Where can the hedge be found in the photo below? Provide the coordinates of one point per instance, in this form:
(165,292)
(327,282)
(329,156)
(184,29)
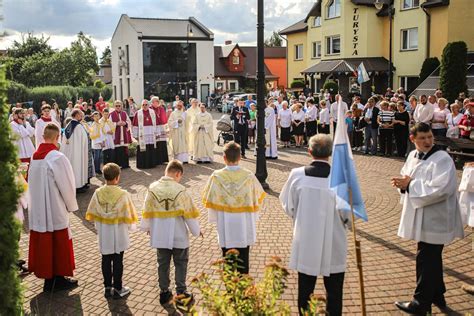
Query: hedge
(297,84)
(61,94)
(429,65)
(453,71)
(11,296)
(331,86)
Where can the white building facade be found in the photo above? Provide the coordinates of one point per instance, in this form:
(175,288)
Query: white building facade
(162,57)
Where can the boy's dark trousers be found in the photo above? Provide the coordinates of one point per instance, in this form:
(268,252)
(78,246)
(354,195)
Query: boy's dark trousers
(115,272)
(108,156)
(243,256)
(333,283)
(180,260)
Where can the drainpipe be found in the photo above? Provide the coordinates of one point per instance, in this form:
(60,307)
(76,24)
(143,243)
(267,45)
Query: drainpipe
(428,32)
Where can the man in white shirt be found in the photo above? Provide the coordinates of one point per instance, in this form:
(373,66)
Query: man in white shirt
(424,111)
(52,188)
(334,109)
(319,245)
(23,132)
(430,216)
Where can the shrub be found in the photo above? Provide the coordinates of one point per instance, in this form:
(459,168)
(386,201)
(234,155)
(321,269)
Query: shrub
(99,84)
(10,298)
(297,84)
(106,92)
(453,71)
(17,92)
(332,87)
(88,93)
(429,65)
(60,94)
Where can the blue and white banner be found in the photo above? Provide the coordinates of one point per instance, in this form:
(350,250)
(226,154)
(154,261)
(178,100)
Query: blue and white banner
(343,174)
(362,75)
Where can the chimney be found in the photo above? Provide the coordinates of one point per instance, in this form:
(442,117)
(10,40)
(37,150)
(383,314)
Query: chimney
(228,42)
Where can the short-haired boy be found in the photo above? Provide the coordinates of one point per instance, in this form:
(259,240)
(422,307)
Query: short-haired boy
(233,197)
(169,214)
(114,214)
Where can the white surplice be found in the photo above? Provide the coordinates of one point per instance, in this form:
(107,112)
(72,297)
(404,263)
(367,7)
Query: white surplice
(190,114)
(23,134)
(270,133)
(203,137)
(77,151)
(466,196)
(319,237)
(39,129)
(179,135)
(52,191)
(431,211)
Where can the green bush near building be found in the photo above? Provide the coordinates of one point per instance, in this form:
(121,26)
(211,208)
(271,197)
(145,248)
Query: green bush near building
(331,86)
(297,84)
(429,65)
(11,296)
(453,71)
(61,94)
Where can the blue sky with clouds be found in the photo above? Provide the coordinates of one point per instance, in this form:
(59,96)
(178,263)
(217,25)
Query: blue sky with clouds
(61,19)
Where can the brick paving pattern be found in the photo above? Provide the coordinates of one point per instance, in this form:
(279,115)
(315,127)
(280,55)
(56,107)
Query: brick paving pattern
(389,262)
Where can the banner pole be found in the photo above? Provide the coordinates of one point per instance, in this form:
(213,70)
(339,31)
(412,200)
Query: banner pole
(358,258)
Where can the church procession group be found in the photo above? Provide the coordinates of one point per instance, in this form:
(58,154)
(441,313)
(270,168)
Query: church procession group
(64,161)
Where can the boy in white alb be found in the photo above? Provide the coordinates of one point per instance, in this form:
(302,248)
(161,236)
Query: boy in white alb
(233,197)
(112,211)
(169,214)
(23,132)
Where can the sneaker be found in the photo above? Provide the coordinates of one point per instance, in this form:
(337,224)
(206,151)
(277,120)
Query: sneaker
(123,292)
(108,292)
(165,297)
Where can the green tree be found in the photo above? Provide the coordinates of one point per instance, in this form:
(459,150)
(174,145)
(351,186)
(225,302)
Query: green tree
(453,71)
(84,60)
(429,65)
(106,58)
(274,40)
(29,46)
(10,299)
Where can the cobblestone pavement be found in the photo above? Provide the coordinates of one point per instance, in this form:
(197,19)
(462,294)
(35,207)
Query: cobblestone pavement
(388,261)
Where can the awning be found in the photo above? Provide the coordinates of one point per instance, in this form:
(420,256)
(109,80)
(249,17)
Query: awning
(372,64)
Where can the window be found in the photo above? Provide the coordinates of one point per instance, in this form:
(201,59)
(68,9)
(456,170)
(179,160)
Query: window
(299,52)
(333,45)
(220,85)
(409,84)
(410,39)
(128,87)
(333,9)
(316,50)
(101,72)
(410,4)
(120,60)
(317,21)
(236,57)
(233,85)
(128,59)
(121,89)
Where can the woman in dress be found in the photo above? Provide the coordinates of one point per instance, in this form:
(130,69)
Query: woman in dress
(284,121)
(438,123)
(324,117)
(452,120)
(297,122)
(401,122)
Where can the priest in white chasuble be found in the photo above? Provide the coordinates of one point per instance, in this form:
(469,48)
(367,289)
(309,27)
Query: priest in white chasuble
(430,216)
(319,245)
(53,192)
(203,136)
(270,132)
(190,114)
(144,129)
(22,133)
(75,146)
(178,133)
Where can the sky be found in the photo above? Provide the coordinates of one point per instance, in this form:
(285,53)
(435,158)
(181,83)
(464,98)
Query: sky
(61,20)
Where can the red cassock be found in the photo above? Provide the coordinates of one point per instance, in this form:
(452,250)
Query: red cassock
(50,253)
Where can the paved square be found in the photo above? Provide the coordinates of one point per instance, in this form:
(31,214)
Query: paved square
(389,262)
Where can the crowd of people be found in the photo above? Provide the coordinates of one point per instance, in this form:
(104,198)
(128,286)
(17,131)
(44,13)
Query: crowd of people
(380,126)
(63,155)
(93,135)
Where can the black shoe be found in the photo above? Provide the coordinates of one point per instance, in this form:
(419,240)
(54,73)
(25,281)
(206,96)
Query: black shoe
(108,292)
(59,283)
(440,302)
(165,297)
(413,307)
(244,157)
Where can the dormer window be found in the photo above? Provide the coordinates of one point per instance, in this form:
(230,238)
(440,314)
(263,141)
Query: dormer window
(317,21)
(333,9)
(236,57)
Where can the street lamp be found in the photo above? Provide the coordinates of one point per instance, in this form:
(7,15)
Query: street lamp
(261,171)
(189,33)
(379,5)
